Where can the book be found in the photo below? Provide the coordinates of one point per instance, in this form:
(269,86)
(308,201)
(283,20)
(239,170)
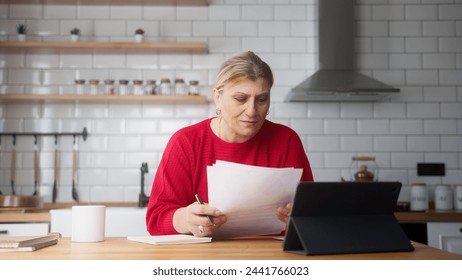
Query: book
(14,242)
(30,248)
(170,239)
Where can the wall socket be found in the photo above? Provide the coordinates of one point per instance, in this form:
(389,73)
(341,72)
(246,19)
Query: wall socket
(431,169)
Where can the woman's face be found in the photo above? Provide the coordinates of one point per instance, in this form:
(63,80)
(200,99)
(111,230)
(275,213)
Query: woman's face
(244,106)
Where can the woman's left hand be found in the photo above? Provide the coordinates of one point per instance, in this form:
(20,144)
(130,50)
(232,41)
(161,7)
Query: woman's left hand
(283,213)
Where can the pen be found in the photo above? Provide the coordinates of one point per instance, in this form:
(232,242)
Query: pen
(198,198)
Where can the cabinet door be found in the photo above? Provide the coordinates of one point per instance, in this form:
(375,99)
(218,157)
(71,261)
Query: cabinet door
(19,229)
(445,236)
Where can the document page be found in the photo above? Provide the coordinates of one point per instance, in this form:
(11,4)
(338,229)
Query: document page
(249,196)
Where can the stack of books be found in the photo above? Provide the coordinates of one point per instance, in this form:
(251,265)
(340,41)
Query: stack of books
(27,243)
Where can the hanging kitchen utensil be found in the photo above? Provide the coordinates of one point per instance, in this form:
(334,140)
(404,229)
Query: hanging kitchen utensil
(36,167)
(75,194)
(13,166)
(55,182)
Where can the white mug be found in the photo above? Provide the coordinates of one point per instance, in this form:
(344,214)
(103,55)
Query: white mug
(88,223)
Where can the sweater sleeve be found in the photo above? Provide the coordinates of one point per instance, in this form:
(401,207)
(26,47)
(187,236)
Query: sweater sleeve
(297,156)
(172,187)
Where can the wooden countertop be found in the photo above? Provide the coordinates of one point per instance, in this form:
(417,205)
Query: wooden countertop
(119,248)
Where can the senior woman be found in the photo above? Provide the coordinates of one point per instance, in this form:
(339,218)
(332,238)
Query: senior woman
(239,133)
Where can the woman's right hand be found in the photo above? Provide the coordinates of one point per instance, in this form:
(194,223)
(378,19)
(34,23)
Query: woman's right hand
(194,219)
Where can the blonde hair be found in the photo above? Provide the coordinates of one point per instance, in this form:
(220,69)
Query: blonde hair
(243,65)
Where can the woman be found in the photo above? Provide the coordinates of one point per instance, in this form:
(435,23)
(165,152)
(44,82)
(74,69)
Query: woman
(240,133)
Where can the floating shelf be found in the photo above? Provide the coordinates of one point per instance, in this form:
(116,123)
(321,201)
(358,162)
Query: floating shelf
(168,47)
(161,99)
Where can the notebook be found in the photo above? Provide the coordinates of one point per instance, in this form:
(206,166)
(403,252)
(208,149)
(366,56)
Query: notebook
(27,243)
(345,217)
(169,239)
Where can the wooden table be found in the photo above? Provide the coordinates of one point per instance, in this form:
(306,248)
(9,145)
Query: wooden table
(119,248)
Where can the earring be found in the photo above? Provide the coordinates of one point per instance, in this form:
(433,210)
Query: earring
(267,113)
(218,111)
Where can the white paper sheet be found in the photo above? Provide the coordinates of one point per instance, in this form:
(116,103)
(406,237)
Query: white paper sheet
(249,196)
(169,239)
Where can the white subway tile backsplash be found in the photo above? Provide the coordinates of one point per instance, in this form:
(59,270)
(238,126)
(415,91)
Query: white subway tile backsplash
(323,143)
(421,12)
(412,44)
(228,12)
(275,29)
(450,77)
(356,143)
(257,12)
(405,28)
(422,143)
(438,28)
(440,127)
(390,143)
(241,28)
(356,110)
(340,127)
(374,127)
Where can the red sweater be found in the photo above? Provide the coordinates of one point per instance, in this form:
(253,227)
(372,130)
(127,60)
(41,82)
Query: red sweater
(182,170)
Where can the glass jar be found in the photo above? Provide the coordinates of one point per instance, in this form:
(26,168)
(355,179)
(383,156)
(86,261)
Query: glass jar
(138,87)
(443,198)
(94,87)
(194,88)
(180,87)
(109,87)
(150,87)
(123,87)
(419,197)
(79,87)
(165,86)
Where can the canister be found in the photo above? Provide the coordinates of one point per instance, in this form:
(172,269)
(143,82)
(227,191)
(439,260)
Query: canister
(458,197)
(443,198)
(419,197)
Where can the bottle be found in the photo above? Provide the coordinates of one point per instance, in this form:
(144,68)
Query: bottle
(79,87)
(458,197)
(419,197)
(150,87)
(123,87)
(138,87)
(180,87)
(94,87)
(165,86)
(193,88)
(443,198)
(109,87)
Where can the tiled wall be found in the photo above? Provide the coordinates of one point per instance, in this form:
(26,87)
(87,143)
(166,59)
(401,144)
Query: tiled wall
(412,44)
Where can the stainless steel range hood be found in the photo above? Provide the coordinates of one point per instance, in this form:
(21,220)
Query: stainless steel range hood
(337,79)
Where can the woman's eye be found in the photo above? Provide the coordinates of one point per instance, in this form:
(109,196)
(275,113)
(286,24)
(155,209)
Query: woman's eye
(239,99)
(263,99)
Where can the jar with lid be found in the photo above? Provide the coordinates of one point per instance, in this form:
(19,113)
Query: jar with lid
(194,88)
(419,197)
(94,87)
(138,87)
(150,87)
(123,87)
(79,86)
(458,198)
(109,87)
(443,198)
(180,87)
(165,86)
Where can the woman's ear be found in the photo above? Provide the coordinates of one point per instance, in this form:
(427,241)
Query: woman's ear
(216,97)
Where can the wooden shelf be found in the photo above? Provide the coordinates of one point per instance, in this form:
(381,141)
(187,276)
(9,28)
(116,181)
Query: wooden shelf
(161,99)
(168,47)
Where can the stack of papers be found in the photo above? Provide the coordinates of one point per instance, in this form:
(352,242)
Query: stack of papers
(249,196)
(169,239)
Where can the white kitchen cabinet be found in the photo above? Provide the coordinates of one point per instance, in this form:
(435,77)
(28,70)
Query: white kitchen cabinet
(445,236)
(20,229)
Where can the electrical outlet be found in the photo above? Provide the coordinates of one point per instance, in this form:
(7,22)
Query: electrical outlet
(431,169)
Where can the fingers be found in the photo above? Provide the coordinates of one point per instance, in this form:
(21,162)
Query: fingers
(204,220)
(283,213)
